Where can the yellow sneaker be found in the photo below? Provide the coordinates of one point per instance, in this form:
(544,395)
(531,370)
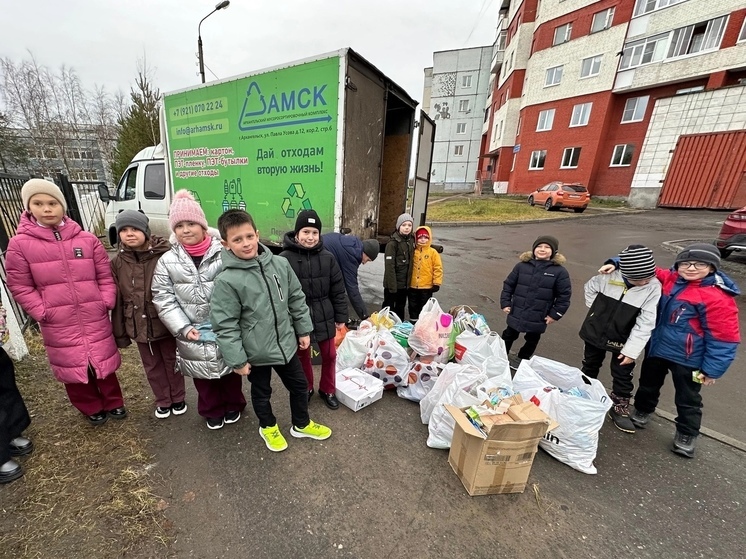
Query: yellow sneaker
(273,438)
(312,431)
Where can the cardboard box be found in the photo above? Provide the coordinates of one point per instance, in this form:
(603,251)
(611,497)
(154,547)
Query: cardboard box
(357,389)
(500,463)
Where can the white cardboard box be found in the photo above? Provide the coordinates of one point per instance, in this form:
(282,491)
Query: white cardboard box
(357,390)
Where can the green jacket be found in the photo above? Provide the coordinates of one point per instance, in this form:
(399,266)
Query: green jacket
(398,262)
(258,310)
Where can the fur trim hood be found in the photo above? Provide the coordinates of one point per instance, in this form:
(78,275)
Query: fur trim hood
(558,258)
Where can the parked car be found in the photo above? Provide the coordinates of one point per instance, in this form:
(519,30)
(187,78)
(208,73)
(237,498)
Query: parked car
(732,234)
(558,194)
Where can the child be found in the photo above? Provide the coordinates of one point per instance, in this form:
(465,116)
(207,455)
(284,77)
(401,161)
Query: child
(323,284)
(398,265)
(696,337)
(535,294)
(427,272)
(621,317)
(261,319)
(61,276)
(183,282)
(135,316)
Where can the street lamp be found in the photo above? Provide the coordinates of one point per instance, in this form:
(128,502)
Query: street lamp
(220,6)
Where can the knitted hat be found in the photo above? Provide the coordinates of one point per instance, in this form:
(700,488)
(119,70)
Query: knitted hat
(699,252)
(421,231)
(132,218)
(307,218)
(403,218)
(548,240)
(41,186)
(371,248)
(185,208)
(636,262)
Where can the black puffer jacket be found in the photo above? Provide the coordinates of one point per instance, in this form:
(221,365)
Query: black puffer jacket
(322,282)
(534,290)
(398,263)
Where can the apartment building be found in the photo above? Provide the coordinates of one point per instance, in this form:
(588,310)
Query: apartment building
(593,92)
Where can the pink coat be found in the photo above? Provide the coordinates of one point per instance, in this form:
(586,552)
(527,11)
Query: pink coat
(61,276)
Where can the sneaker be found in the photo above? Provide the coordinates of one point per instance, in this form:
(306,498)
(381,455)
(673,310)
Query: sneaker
(639,418)
(684,445)
(273,438)
(311,431)
(214,423)
(118,413)
(514,361)
(232,416)
(162,413)
(178,408)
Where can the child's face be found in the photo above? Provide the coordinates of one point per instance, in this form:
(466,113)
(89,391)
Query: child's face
(243,241)
(543,251)
(189,233)
(132,237)
(46,209)
(405,228)
(640,282)
(422,238)
(308,237)
(693,270)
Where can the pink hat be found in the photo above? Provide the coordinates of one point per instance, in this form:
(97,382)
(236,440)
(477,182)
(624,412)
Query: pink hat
(185,208)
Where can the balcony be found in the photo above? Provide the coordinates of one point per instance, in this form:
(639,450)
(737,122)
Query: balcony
(498,51)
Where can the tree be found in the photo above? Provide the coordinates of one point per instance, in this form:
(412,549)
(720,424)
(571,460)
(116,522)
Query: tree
(13,151)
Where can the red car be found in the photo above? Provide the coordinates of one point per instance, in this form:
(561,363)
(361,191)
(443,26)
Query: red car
(732,234)
(558,194)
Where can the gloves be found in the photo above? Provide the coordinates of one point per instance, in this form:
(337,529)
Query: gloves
(435,288)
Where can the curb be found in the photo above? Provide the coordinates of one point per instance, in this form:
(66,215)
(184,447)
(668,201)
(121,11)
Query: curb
(725,439)
(523,221)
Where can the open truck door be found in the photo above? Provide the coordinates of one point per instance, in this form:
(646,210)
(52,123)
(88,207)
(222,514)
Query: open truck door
(423,164)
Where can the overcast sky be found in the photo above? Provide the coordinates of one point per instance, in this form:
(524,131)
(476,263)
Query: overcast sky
(102,39)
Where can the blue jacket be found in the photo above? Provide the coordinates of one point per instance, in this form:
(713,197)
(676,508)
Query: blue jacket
(348,251)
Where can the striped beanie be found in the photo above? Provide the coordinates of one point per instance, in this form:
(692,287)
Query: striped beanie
(636,262)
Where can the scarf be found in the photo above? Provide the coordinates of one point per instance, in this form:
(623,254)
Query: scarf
(200,248)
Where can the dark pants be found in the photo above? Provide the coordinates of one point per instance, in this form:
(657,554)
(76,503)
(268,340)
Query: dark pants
(396,301)
(216,397)
(621,375)
(417,300)
(159,361)
(328,350)
(688,399)
(14,417)
(97,395)
(532,340)
(292,376)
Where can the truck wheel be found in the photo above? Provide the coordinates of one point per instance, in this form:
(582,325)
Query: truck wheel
(112,236)
(530,200)
(548,205)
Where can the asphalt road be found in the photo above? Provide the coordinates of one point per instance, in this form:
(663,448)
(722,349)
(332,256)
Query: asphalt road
(375,490)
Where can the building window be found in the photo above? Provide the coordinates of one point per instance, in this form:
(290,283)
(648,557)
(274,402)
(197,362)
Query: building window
(458,150)
(499,130)
(634,109)
(562,34)
(466,81)
(537,159)
(622,156)
(646,6)
(701,37)
(602,20)
(581,114)
(742,34)
(461,128)
(553,76)
(645,51)
(686,90)
(463,105)
(590,66)
(546,120)
(570,158)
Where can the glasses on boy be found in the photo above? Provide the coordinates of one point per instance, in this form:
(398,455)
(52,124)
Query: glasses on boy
(695,265)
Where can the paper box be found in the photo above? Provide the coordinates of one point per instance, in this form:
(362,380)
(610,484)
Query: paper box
(500,463)
(356,389)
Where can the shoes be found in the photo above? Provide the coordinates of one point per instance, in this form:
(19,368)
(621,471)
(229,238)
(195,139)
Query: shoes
(214,423)
(162,413)
(619,414)
(21,446)
(178,408)
(330,400)
(97,418)
(273,438)
(232,416)
(118,413)
(310,393)
(311,431)
(639,418)
(684,445)
(9,471)
(514,361)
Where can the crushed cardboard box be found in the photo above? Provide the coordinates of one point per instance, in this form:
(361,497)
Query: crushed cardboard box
(357,389)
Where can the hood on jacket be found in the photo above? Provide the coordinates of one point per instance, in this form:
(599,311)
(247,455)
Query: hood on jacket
(289,243)
(28,225)
(429,233)
(558,258)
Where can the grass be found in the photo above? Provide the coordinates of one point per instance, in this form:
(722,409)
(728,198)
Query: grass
(498,209)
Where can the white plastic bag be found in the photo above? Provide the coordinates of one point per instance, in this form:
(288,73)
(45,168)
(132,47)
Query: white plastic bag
(387,360)
(445,379)
(575,441)
(486,351)
(431,331)
(459,393)
(351,352)
(421,378)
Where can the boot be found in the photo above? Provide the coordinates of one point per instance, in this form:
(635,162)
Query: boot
(619,414)
(684,445)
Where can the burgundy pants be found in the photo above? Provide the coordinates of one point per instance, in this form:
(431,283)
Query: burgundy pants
(96,396)
(216,397)
(159,361)
(327,384)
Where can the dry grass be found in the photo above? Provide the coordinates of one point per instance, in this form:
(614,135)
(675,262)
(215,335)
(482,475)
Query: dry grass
(497,209)
(86,492)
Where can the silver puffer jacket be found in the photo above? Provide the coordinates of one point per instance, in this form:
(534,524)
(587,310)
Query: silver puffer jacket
(181,293)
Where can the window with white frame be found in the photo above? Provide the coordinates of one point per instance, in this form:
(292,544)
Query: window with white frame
(581,114)
(634,109)
(546,120)
(646,6)
(702,37)
(622,156)
(570,157)
(463,105)
(466,80)
(602,20)
(537,159)
(562,34)
(637,53)
(742,34)
(461,128)
(553,76)
(590,66)
(458,149)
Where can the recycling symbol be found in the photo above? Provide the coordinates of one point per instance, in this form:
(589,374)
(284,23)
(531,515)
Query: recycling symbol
(295,192)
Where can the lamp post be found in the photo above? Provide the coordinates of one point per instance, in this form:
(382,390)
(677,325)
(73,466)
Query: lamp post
(220,6)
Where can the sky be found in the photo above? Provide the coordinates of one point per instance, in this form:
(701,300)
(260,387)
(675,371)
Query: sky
(103,39)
